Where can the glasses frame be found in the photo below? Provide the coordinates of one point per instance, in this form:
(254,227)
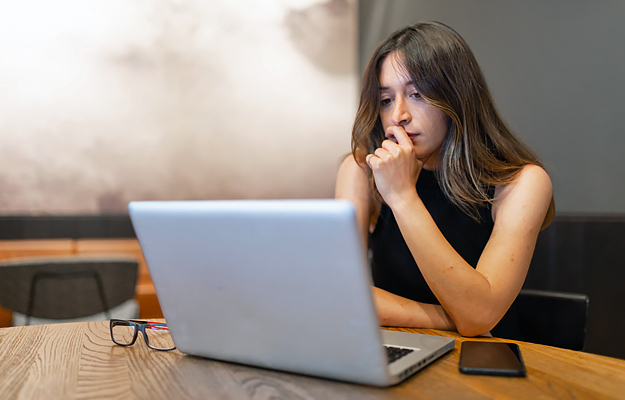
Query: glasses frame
(139,326)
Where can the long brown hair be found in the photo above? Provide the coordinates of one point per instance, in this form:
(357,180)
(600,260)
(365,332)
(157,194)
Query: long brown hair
(480,151)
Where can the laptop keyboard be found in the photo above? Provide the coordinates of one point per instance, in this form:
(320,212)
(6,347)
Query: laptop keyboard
(395,353)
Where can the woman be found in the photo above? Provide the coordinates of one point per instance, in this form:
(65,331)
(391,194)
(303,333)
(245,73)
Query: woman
(450,201)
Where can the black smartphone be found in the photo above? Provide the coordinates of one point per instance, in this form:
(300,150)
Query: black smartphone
(491,358)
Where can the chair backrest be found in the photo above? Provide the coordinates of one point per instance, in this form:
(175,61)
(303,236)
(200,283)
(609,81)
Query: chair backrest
(66,287)
(552,318)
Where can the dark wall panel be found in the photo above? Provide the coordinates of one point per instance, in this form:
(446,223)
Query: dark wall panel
(65,227)
(584,254)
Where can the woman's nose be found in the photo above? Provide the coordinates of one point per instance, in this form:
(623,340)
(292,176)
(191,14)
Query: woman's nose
(400,115)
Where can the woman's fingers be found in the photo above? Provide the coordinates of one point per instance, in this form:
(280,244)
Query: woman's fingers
(387,153)
(389,145)
(381,153)
(398,135)
(374,160)
(398,148)
(401,136)
(369,160)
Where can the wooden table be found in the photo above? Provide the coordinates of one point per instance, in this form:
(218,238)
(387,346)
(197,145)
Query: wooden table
(78,360)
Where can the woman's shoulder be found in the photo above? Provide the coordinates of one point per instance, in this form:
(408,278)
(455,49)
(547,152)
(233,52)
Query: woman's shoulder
(350,167)
(352,183)
(530,191)
(531,176)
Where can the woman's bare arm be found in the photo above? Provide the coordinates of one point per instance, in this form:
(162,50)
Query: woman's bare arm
(352,184)
(393,310)
(475,299)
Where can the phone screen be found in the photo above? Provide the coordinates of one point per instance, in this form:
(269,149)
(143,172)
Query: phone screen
(491,358)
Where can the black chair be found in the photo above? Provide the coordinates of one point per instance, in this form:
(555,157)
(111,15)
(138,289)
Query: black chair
(552,318)
(62,288)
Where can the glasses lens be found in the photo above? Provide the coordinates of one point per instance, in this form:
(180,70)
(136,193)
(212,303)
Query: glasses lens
(158,337)
(123,332)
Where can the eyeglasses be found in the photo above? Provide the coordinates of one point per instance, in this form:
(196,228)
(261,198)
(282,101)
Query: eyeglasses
(156,335)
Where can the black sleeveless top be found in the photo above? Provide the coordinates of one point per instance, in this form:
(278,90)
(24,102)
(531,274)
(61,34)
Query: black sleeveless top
(393,267)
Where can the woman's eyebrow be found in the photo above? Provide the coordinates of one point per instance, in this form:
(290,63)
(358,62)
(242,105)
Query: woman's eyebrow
(407,84)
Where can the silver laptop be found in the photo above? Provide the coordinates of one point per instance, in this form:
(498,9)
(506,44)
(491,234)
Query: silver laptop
(280,284)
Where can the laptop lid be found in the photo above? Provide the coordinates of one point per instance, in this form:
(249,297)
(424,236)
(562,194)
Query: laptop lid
(280,284)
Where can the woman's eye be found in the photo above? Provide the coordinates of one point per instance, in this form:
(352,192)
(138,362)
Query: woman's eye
(415,95)
(385,102)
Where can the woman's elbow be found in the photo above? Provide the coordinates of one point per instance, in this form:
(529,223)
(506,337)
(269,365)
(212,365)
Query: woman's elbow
(471,327)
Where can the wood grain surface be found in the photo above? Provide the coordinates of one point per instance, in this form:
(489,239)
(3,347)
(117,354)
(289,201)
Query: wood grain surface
(79,361)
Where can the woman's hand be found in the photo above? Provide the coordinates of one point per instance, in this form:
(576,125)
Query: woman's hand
(395,166)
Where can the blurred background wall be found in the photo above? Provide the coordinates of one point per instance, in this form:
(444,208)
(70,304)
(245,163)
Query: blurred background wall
(107,101)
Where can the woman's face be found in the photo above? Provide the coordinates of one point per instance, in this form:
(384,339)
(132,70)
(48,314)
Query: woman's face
(401,105)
